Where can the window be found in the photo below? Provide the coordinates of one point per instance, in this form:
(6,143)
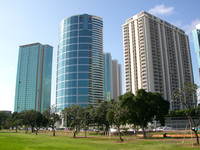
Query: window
(71,84)
(83,54)
(83,68)
(83,91)
(83,76)
(85,46)
(83,83)
(71,76)
(85,40)
(83,61)
(83,99)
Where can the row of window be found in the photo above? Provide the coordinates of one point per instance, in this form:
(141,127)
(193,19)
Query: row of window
(76,19)
(72,99)
(73,76)
(81,26)
(81,19)
(73,91)
(76,33)
(73,83)
(75,47)
(74,68)
(73,61)
(76,40)
(71,54)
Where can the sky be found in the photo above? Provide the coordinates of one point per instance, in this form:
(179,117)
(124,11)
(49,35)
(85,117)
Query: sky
(29,21)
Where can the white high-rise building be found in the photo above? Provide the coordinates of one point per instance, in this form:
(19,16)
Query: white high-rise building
(157,57)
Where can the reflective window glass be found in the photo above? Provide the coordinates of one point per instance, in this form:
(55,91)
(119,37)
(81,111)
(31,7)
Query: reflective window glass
(83,99)
(83,68)
(70,91)
(83,60)
(85,39)
(83,91)
(83,83)
(71,83)
(84,54)
(71,68)
(85,33)
(71,99)
(83,76)
(85,46)
(71,54)
(71,61)
(71,76)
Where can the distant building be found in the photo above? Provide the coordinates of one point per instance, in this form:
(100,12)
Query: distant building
(196,41)
(198,96)
(80,61)
(33,83)
(108,86)
(116,79)
(157,57)
(6,111)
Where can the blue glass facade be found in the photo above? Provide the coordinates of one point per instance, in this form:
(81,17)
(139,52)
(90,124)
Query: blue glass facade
(33,83)
(108,93)
(196,41)
(80,61)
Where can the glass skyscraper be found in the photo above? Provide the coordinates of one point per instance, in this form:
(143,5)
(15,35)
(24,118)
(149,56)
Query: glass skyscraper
(196,41)
(112,78)
(80,61)
(108,89)
(33,83)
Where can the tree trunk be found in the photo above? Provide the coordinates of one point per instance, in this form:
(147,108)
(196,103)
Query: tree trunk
(54,132)
(74,136)
(32,129)
(36,132)
(144,133)
(85,133)
(26,130)
(192,123)
(196,135)
(120,135)
(16,129)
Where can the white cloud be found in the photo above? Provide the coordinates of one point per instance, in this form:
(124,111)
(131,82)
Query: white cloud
(161,10)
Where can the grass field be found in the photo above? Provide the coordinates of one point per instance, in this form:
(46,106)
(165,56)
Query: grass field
(21,141)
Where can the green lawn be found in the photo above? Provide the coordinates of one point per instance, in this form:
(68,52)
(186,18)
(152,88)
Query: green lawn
(21,141)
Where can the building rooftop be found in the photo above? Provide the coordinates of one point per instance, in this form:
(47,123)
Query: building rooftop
(143,13)
(32,44)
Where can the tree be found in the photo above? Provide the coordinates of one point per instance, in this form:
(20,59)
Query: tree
(73,118)
(40,121)
(144,107)
(117,116)
(184,96)
(4,117)
(16,120)
(87,118)
(100,115)
(52,119)
(33,119)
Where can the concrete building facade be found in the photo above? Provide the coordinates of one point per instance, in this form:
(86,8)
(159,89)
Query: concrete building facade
(157,57)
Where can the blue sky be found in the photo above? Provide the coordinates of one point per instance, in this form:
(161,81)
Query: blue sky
(28,21)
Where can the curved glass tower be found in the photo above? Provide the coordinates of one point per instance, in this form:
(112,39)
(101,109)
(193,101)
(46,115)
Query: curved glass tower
(80,61)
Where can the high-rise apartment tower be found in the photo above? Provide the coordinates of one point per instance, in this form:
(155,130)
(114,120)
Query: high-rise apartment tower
(157,57)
